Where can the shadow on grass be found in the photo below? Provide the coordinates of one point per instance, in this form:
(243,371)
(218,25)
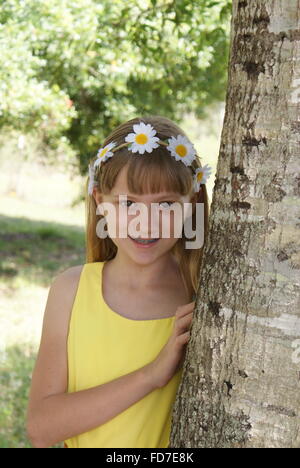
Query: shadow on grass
(38,250)
(16,366)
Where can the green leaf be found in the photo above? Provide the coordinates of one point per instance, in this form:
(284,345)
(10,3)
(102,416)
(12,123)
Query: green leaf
(75,70)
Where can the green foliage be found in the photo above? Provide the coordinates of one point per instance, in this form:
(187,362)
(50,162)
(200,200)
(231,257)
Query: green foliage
(37,250)
(80,68)
(15,372)
(16,365)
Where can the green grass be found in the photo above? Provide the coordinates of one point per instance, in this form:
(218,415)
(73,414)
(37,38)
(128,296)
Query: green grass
(32,254)
(35,251)
(16,365)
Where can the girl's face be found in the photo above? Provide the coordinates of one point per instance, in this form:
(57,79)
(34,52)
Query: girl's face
(137,224)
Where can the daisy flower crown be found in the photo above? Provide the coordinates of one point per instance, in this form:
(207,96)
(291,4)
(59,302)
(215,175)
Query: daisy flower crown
(143,139)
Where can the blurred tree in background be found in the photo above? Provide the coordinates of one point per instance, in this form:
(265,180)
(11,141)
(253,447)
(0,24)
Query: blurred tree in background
(71,71)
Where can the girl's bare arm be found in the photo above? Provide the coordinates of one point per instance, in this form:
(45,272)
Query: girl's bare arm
(53,414)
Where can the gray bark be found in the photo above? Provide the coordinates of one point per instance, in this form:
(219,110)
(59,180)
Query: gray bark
(241,379)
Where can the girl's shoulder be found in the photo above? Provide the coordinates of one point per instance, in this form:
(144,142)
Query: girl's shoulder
(60,301)
(64,285)
(69,276)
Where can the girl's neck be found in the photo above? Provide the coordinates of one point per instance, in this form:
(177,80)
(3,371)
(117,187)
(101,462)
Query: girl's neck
(138,277)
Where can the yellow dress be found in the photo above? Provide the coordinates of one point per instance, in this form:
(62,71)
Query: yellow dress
(102,346)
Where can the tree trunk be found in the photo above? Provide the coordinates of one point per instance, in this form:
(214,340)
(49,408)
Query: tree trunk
(241,378)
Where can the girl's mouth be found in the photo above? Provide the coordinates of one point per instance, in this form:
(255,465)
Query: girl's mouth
(144,243)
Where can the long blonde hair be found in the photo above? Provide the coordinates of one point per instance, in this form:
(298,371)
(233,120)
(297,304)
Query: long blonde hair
(147,175)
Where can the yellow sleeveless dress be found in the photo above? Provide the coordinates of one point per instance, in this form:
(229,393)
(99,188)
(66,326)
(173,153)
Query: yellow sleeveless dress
(102,346)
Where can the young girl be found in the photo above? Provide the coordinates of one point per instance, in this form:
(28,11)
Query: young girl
(115,329)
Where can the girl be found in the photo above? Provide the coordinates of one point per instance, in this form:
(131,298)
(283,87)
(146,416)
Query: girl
(115,329)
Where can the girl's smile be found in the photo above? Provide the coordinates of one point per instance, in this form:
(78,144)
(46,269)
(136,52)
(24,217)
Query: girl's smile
(144,243)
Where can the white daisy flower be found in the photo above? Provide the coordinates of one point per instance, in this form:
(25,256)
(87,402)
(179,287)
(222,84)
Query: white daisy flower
(201,175)
(104,153)
(142,139)
(92,181)
(182,149)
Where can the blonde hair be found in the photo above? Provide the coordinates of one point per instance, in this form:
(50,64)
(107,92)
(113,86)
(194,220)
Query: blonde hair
(147,175)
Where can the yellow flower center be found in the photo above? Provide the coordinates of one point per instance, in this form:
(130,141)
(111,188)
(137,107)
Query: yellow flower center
(103,152)
(141,139)
(181,150)
(199,176)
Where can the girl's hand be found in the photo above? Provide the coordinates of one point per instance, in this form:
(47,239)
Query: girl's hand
(171,357)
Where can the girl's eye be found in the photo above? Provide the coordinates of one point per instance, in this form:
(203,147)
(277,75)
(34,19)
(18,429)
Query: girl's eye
(122,203)
(168,202)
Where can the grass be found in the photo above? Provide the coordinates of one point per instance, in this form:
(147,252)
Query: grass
(16,365)
(34,251)
(32,254)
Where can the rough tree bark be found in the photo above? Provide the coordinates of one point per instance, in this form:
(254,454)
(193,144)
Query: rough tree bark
(241,379)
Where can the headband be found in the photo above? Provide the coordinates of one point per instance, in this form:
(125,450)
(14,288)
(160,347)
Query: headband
(143,139)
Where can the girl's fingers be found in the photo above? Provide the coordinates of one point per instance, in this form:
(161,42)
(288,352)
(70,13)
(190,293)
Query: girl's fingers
(184,338)
(183,323)
(185,309)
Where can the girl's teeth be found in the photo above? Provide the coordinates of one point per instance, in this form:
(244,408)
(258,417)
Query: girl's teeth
(144,241)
